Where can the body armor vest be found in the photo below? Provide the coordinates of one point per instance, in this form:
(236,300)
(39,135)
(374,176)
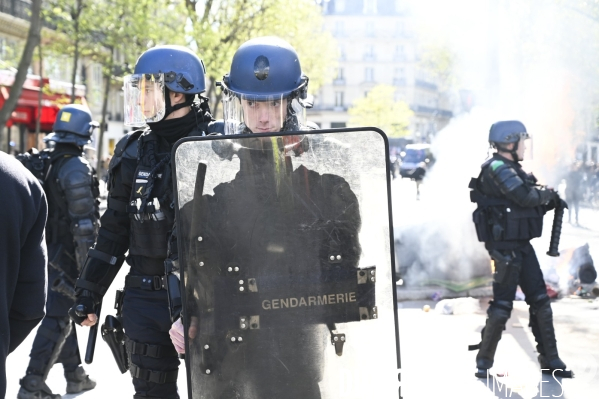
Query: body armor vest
(151,205)
(498,219)
(45,165)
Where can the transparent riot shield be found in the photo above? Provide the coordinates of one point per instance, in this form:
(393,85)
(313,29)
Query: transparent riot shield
(286,265)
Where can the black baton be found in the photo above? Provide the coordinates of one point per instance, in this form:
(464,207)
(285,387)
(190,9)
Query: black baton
(556,229)
(91,340)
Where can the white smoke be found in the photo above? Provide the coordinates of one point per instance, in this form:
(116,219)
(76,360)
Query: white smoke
(528,60)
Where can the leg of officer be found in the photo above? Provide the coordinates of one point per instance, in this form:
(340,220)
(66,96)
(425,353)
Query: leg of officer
(498,313)
(154,361)
(541,315)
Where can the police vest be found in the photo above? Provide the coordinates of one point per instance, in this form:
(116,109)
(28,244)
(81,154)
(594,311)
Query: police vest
(500,219)
(45,166)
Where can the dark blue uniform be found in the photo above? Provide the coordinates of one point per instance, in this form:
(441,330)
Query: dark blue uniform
(72,192)
(509,214)
(140,218)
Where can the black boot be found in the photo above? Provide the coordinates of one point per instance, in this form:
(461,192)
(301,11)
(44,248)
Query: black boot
(498,314)
(34,387)
(541,323)
(78,381)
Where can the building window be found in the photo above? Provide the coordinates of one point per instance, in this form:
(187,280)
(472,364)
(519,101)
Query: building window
(342,54)
(399,29)
(369,74)
(339,28)
(338,99)
(399,6)
(369,53)
(369,6)
(339,79)
(335,125)
(400,53)
(339,6)
(369,29)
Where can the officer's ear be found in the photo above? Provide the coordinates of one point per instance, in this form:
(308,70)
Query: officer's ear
(176,98)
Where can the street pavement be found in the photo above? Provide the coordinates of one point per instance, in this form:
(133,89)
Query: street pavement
(435,360)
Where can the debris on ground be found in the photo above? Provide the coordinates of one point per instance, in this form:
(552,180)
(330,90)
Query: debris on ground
(457,306)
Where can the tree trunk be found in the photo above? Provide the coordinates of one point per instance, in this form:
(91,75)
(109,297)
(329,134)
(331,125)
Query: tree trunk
(33,39)
(75,15)
(108,77)
(38,120)
(74,75)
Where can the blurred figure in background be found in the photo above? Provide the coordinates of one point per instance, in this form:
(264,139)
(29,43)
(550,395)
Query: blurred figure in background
(574,189)
(73,211)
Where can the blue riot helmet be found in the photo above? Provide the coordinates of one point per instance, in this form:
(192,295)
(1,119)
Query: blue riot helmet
(73,125)
(506,132)
(158,71)
(265,90)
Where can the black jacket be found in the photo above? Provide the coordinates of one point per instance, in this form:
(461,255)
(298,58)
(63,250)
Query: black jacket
(510,205)
(23,259)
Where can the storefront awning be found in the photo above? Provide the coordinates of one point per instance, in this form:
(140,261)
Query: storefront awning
(26,111)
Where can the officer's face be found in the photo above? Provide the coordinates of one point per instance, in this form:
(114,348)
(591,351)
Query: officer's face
(151,93)
(521,149)
(264,116)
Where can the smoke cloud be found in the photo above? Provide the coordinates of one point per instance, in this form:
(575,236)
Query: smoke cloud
(529,60)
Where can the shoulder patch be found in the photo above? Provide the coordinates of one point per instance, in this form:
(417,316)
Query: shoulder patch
(497,163)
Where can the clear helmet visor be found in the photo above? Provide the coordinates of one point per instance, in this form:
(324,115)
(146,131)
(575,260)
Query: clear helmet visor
(525,147)
(144,98)
(266,114)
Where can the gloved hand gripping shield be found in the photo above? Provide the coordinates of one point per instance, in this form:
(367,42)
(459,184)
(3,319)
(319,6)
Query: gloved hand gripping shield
(286,265)
(144,98)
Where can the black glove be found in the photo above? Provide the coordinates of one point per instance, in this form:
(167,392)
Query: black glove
(549,198)
(84,305)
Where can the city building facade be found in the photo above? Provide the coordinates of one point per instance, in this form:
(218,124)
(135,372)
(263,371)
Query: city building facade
(378,45)
(56,73)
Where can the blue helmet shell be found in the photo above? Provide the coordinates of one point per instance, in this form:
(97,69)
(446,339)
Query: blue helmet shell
(73,125)
(266,67)
(505,132)
(183,70)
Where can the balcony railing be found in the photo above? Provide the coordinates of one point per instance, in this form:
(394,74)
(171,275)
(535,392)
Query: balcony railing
(425,85)
(17,8)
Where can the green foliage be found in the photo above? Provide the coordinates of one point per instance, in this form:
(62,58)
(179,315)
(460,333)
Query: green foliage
(440,61)
(220,27)
(379,109)
(11,54)
(127,27)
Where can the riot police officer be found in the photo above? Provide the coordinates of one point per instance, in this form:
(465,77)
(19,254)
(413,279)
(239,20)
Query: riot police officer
(72,190)
(161,93)
(509,214)
(265,91)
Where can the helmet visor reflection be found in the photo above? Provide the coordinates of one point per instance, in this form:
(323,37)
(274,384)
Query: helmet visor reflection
(144,99)
(244,114)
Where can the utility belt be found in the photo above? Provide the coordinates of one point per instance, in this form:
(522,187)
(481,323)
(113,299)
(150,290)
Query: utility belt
(149,283)
(502,220)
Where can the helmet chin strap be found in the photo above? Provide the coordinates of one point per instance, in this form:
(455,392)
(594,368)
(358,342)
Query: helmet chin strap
(514,152)
(169,109)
